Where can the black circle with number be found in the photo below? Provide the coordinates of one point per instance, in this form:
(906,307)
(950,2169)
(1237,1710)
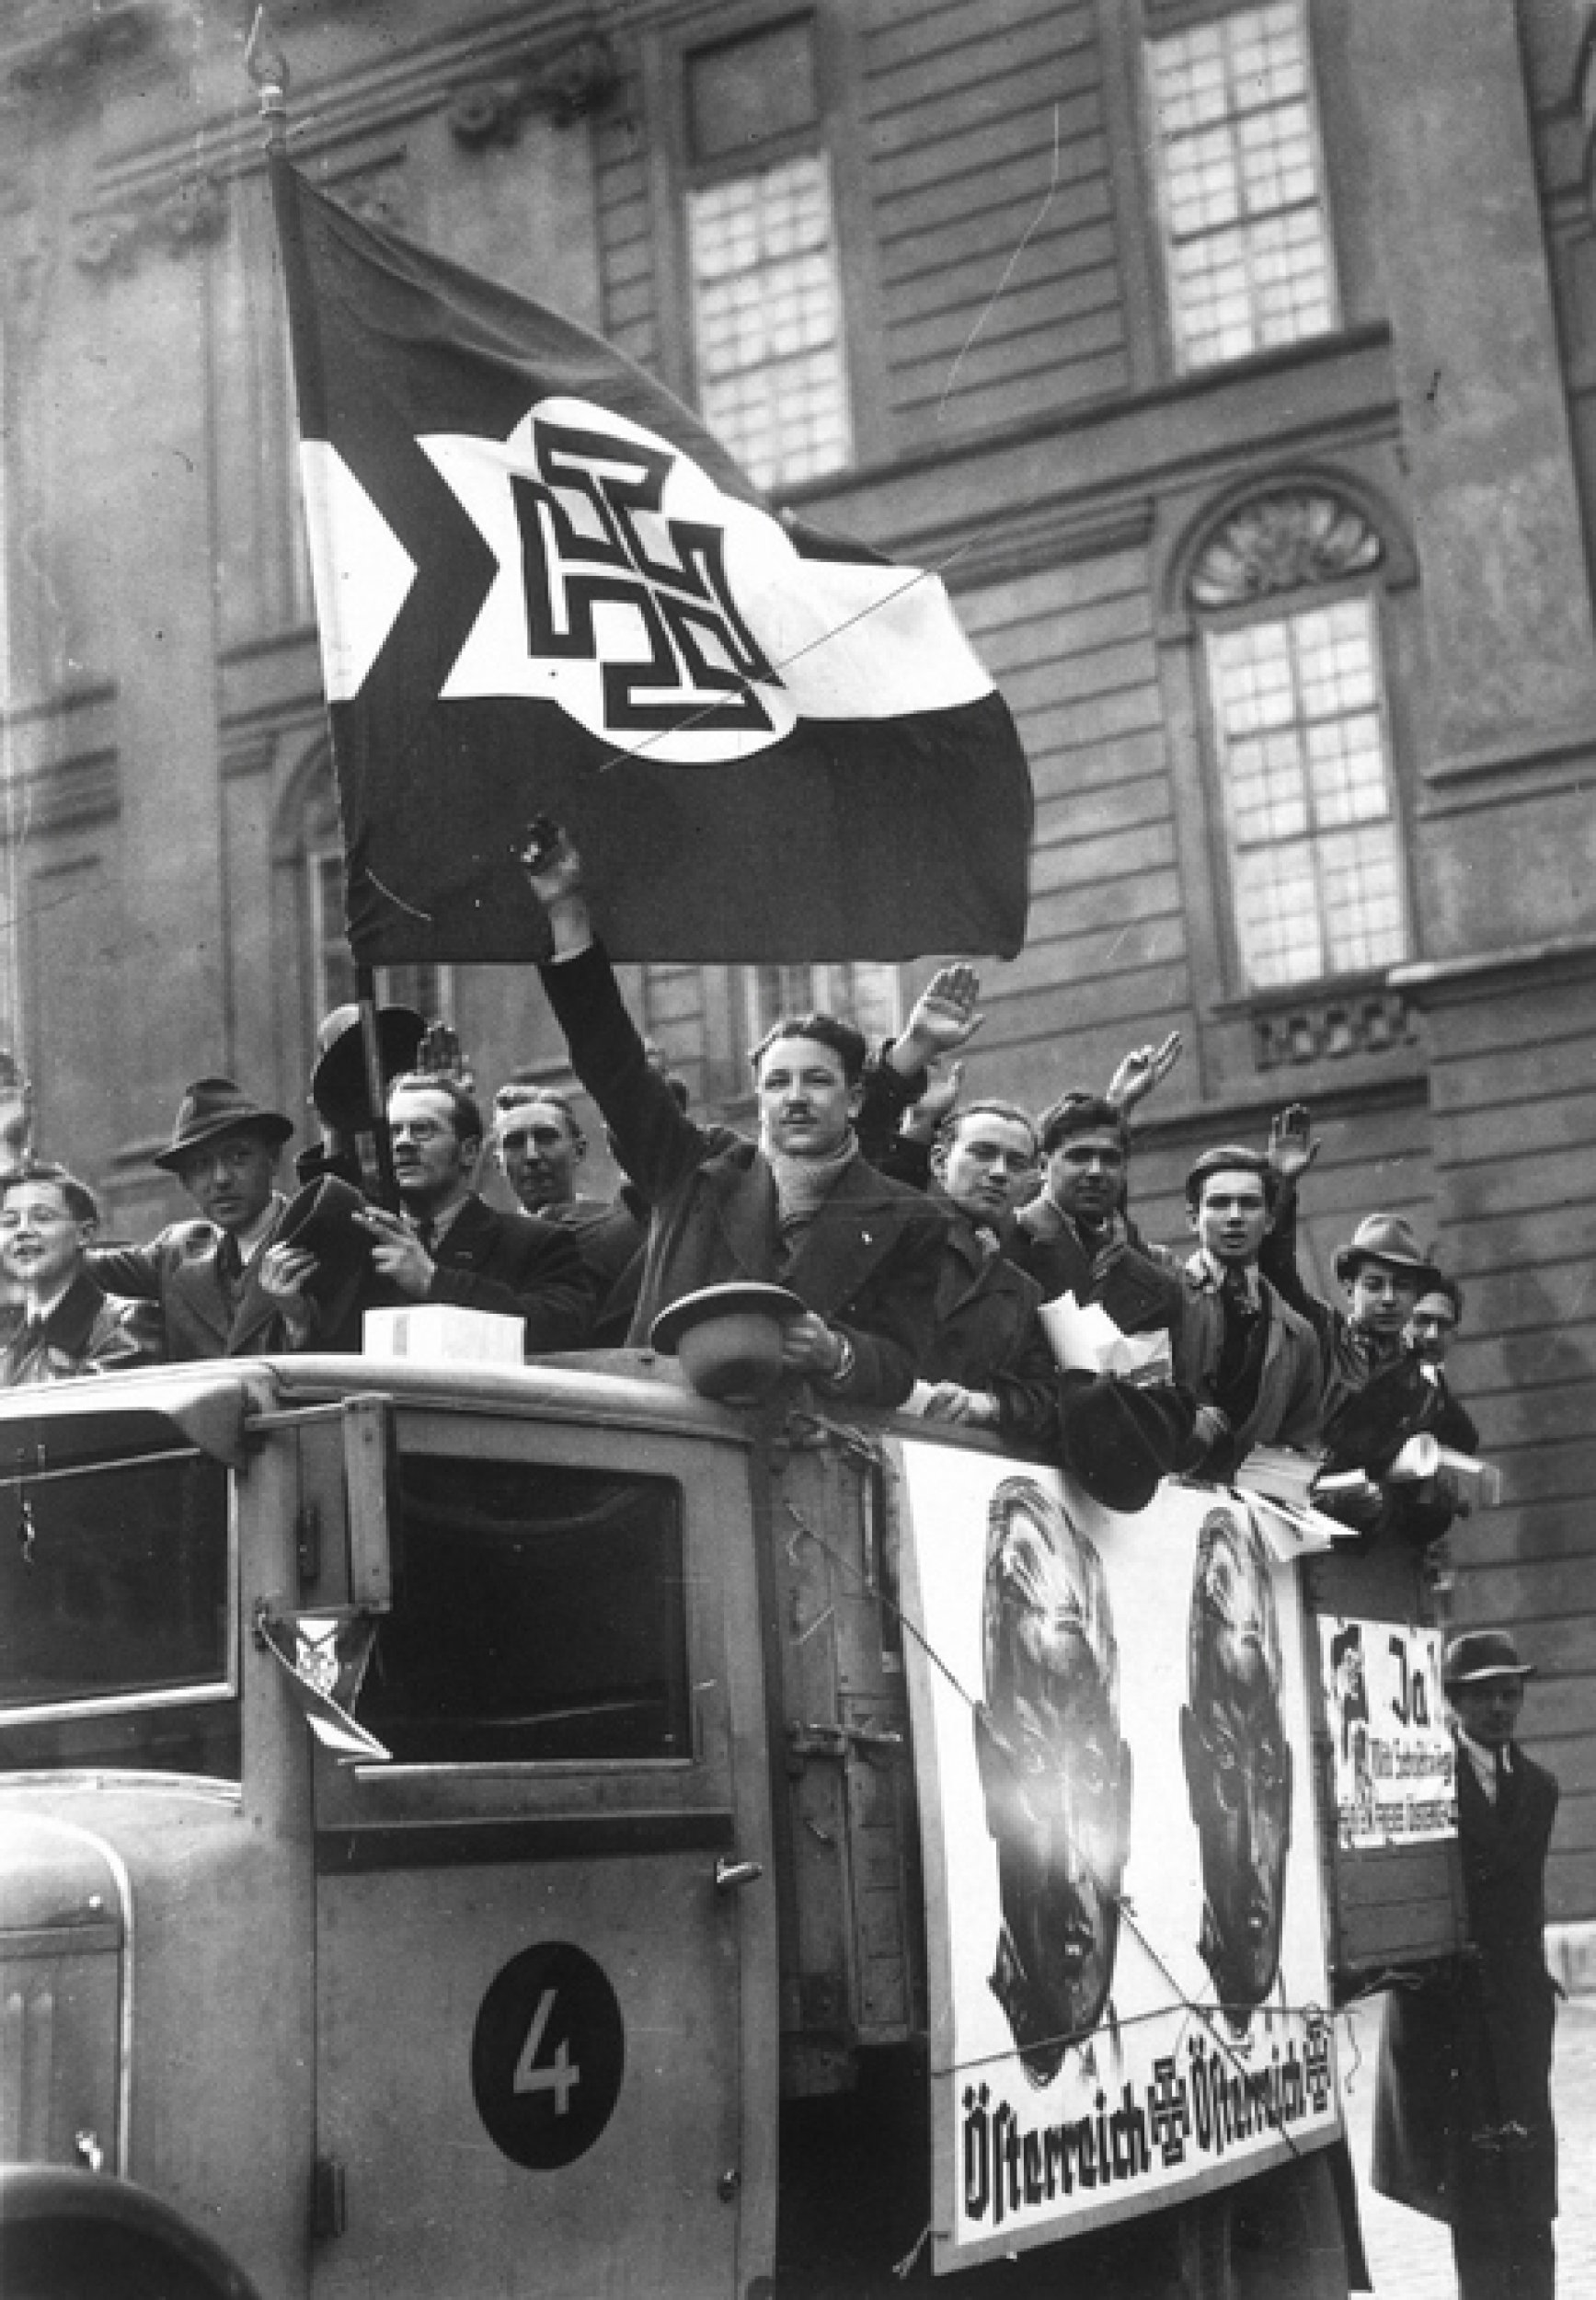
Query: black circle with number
(548,2055)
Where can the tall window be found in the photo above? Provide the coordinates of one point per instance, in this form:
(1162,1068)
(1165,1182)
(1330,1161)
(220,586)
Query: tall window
(762,244)
(1246,237)
(1301,741)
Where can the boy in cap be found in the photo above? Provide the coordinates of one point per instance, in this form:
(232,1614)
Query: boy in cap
(224,1286)
(1462,2119)
(1377,1393)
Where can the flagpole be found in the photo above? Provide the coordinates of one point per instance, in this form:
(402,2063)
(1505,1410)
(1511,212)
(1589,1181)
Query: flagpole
(268,68)
(376,1086)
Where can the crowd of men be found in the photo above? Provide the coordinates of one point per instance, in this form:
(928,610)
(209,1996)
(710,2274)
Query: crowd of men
(917,1233)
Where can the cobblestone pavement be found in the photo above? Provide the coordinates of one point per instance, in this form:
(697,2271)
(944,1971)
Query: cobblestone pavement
(1409,2256)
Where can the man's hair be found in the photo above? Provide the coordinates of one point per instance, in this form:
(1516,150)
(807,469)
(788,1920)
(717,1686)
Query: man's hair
(1231,1157)
(519,1096)
(1082,1114)
(79,1199)
(846,1043)
(992,1106)
(1439,1283)
(464,1112)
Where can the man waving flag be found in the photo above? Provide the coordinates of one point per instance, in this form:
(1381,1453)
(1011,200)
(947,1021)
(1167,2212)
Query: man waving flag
(544,588)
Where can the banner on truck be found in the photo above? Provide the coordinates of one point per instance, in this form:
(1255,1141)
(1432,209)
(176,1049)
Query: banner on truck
(1129,1995)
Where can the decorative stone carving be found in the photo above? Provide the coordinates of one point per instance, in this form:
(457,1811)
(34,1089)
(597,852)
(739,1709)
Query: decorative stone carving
(1284,541)
(566,83)
(186,215)
(57,63)
(1329,1029)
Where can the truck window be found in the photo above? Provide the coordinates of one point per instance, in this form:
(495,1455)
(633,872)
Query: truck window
(538,1615)
(116,1640)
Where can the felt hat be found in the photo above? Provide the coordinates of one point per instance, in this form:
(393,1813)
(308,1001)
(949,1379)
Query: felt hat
(320,1221)
(1481,1653)
(1118,1440)
(1386,1239)
(212,1107)
(338,1084)
(728,1339)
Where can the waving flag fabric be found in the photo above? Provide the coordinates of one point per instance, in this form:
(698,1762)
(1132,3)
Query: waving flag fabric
(544,588)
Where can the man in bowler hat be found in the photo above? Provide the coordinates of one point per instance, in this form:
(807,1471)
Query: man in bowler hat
(225,1286)
(1463,2118)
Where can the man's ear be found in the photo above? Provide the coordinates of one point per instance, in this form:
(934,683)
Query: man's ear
(1193,1218)
(855,1098)
(939,1159)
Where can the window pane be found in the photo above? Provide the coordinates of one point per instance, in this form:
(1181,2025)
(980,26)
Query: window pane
(862,993)
(1247,244)
(767,320)
(539,1615)
(1314,849)
(117,1638)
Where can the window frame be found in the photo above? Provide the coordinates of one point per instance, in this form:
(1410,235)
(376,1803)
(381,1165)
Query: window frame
(840,135)
(1282,607)
(1162,23)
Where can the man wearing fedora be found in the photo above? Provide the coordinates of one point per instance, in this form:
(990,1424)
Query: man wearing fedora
(1462,2119)
(225,1285)
(1377,1392)
(801,1205)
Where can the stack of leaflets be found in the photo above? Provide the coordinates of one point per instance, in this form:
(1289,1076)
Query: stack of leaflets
(1087,1341)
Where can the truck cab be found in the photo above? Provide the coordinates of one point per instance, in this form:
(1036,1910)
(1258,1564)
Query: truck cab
(469,1831)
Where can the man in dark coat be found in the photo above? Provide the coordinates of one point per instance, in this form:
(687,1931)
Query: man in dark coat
(449,1245)
(223,1284)
(1073,1237)
(1462,2122)
(1378,1391)
(64,1323)
(989,1365)
(800,1206)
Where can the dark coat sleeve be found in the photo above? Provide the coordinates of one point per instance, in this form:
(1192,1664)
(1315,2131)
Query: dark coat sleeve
(517,1266)
(136,1273)
(890,1320)
(887,1095)
(656,1142)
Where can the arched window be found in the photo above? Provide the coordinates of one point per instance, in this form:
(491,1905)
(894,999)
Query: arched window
(1286,599)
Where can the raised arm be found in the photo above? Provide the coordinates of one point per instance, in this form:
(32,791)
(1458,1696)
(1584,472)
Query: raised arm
(656,1142)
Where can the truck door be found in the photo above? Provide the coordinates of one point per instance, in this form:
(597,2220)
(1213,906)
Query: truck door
(545,1931)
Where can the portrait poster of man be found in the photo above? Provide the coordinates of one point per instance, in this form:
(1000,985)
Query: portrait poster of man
(1393,1758)
(1127,1961)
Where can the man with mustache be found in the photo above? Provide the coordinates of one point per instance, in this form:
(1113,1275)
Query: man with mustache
(448,1244)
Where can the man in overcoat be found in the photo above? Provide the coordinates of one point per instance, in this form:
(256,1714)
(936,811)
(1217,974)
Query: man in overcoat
(1462,2121)
(223,1284)
(1249,1359)
(800,1206)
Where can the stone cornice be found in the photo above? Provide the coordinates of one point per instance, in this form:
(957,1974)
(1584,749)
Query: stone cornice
(375,96)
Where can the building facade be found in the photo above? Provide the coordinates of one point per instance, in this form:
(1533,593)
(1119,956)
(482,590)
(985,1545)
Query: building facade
(1235,361)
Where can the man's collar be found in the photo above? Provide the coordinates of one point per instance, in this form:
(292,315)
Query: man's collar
(249,1241)
(1211,1273)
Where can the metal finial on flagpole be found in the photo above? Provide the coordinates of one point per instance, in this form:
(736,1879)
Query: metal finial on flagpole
(268,67)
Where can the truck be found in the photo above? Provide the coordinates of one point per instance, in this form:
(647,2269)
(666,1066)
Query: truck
(472,1831)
